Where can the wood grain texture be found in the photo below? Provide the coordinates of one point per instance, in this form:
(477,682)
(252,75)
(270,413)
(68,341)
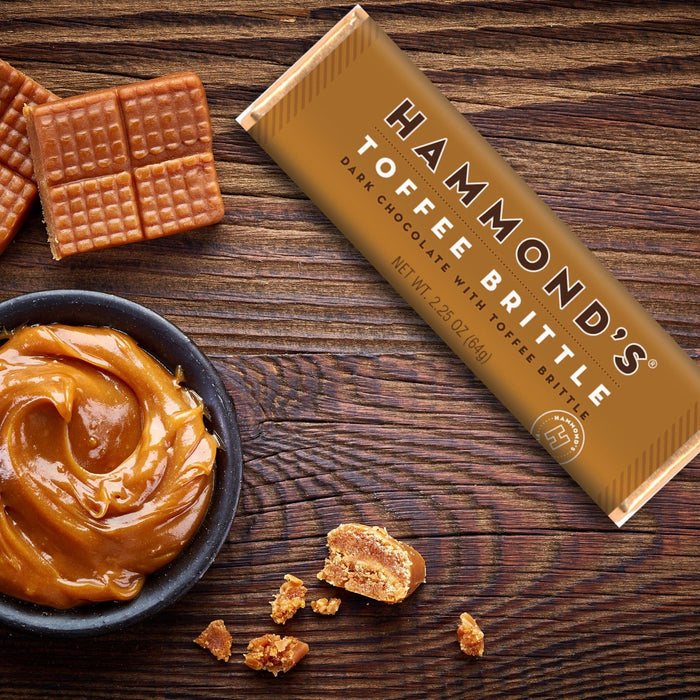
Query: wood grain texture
(350,408)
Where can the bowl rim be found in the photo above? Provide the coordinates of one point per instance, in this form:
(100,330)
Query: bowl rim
(151,331)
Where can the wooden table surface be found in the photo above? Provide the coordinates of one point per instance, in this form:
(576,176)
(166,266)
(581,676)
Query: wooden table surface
(350,408)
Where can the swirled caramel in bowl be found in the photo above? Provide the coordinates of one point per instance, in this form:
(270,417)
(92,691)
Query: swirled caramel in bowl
(106,465)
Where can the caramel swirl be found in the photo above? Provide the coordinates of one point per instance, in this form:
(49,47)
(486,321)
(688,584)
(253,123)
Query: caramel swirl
(106,466)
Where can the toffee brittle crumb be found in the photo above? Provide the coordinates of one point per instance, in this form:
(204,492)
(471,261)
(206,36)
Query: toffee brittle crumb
(291,597)
(471,638)
(217,639)
(362,559)
(325,606)
(274,653)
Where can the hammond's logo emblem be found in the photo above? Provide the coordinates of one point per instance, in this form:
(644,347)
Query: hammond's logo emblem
(560,433)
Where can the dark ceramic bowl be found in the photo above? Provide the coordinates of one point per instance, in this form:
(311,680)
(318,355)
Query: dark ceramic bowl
(169,345)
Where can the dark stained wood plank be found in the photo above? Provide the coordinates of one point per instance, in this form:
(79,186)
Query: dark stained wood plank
(350,408)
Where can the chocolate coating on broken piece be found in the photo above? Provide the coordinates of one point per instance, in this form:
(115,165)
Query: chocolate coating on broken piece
(17,188)
(369,561)
(125,164)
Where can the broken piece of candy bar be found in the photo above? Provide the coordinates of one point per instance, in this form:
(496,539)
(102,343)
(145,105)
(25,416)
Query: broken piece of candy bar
(369,561)
(470,636)
(274,653)
(291,597)
(325,606)
(17,188)
(217,639)
(125,164)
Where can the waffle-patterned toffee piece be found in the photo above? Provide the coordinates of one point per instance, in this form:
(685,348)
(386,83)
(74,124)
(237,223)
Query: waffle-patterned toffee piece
(125,164)
(17,188)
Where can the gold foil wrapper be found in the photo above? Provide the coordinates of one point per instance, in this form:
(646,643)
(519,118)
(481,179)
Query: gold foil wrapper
(485,262)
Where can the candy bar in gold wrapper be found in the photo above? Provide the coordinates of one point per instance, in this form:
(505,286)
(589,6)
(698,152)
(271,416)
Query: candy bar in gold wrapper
(485,262)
